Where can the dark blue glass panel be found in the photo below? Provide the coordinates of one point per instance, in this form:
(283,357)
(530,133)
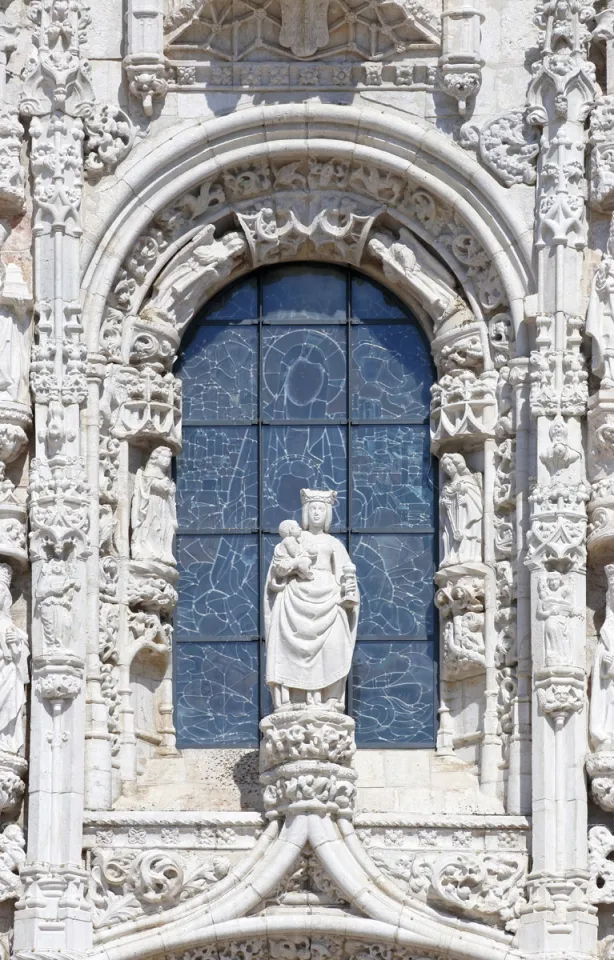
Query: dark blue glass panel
(296,457)
(309,291)
(217,479)
(216,694)
(218,587)
(219,370)
(392,372)
(395,574)
(391,478)
(394,693)
(304,373)
(371,302)
(237,302)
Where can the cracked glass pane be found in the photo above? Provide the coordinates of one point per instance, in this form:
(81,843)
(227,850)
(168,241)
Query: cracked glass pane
(304,373)
(371,302)
(217,479)
(392,372)
(305,291)
(239,301)
(392,483)
(216,694)
(218,587)
(394,693)
(296,457)
(395,573)
(219,373)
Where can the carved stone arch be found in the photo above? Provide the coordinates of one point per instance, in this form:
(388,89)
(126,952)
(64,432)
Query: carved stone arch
(421,182)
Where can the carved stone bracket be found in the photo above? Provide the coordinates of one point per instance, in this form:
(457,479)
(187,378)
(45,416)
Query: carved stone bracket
(305,762)
(557,538)
(460,64)
(560,692)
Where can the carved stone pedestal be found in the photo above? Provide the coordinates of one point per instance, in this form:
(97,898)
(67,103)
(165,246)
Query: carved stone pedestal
(305,763)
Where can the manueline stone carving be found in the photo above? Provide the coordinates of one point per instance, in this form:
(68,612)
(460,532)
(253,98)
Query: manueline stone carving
(304,25)
(462,511)
(154,518)
(205,264)
(12,858)
(555,609)
(601,718)
(13,670)
(311,610)
(56,590)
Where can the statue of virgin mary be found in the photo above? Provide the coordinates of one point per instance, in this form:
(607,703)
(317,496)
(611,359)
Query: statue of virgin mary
(311,611)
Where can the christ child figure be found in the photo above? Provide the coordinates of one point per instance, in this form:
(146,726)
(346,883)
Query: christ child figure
(295,553)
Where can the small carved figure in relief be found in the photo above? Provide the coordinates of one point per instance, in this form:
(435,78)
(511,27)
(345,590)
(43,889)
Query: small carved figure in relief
(297,549)
(208,263)
(559,454)
(555,609)
(14,354)
(13,670)
(462,512)
(12,858)
(601,720)
(600,317)
(55,591)
(311,611)
(154,518)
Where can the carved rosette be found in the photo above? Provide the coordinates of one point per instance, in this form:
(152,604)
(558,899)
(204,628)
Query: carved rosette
(306,763)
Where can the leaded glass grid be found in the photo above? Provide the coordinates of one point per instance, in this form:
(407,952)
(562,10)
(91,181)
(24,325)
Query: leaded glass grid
(304,376)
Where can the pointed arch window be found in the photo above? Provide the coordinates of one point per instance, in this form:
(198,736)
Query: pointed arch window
(304,376)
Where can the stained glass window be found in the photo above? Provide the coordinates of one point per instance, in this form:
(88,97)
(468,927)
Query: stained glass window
(304,376)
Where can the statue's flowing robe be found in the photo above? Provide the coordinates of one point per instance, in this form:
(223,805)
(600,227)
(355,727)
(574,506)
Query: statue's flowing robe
(310,636)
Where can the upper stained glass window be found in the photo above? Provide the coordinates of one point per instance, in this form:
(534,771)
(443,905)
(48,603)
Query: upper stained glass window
(304,376)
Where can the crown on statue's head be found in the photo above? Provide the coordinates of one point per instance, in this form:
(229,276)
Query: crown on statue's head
(321,496)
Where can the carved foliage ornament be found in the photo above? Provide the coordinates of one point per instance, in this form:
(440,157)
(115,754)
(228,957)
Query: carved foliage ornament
(126,886)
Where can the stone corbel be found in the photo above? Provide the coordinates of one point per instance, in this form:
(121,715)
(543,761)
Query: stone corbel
(145,63)
(460,63)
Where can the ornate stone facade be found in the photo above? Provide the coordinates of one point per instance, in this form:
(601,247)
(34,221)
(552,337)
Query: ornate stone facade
(152,152)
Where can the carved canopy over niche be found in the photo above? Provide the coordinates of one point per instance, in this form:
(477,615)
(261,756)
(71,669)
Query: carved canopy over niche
(283,29)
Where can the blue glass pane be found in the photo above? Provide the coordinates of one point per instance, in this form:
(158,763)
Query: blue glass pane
(308,291)
(304,373)
(217,479)
(219,371)
(393,698)
(216,694)
(218,587)
(371,302)
(392,372)
(391,478)
(395,575)
(237,302)
(296,457)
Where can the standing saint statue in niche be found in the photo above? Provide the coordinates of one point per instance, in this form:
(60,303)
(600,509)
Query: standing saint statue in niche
(462,511)
(601,720)
(154,518)
(13,670)
(311,610)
